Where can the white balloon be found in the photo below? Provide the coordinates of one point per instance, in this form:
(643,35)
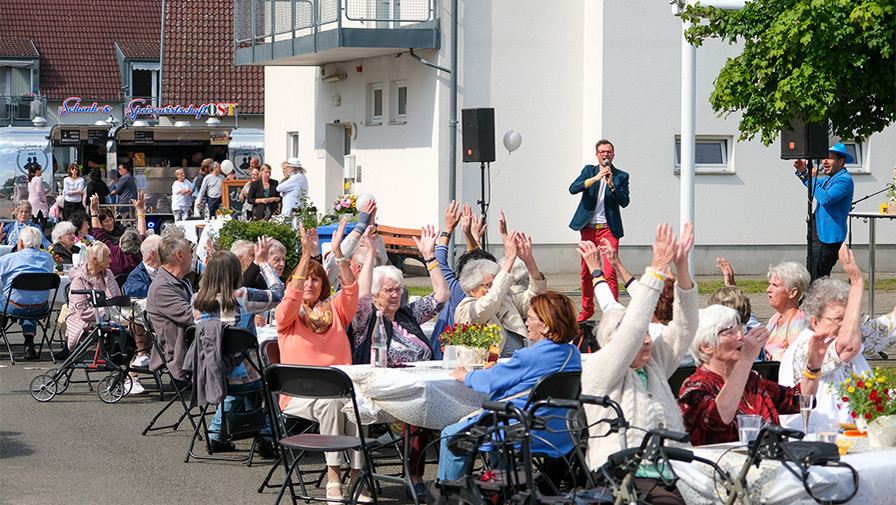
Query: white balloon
(512,140)
(362,199)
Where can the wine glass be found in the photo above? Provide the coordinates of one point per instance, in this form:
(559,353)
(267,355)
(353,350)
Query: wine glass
(806,404)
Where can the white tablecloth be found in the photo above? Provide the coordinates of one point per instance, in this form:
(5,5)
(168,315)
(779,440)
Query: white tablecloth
(422,394)
(189,228)
(771,484)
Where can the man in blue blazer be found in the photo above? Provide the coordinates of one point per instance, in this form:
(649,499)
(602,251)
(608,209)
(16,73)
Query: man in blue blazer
(604,190)
(833,196)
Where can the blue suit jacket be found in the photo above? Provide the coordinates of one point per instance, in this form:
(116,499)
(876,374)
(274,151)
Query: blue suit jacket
(613,199)
(137,285)
(834,199)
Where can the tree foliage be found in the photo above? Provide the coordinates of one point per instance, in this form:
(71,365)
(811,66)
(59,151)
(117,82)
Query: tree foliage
(818,60)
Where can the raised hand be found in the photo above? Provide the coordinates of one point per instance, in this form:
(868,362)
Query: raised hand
(682,250)
(849,265)
(524,248)
(452,216)
(663,247)
(336,241)
(818,347)
(607,250)
(511,246)
(502,224)
(262,246)
(478,226)
(427,241)
(95,204)
(800,165)
(466,218)
(753,342)
(590,253)
(727,272)
(140,203)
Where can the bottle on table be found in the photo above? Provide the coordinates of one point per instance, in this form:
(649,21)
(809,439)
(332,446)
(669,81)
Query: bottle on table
(379,343)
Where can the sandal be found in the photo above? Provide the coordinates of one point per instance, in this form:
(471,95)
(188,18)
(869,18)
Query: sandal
(337,494)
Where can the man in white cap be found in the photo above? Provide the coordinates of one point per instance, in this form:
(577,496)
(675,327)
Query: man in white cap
(211,189)
(833,192)
(294,188)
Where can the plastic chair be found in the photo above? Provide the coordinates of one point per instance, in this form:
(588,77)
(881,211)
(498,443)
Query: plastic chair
(235,341)
(317,383)
(180,386)
(30,281)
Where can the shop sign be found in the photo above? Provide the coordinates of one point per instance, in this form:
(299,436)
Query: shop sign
(70,137)
(219,139)
(72,104)
(134,109)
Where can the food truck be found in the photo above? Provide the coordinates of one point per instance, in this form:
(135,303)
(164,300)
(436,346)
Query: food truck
(20,148)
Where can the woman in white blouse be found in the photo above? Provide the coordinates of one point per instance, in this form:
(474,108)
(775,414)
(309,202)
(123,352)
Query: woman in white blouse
(181,196)
(73,191)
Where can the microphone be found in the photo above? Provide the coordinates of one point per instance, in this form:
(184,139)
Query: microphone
(607,164)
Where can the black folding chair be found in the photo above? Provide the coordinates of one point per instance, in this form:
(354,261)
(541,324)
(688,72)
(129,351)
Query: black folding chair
(317,382)
(559,386)
(31,281)
(181,387)
(242,342)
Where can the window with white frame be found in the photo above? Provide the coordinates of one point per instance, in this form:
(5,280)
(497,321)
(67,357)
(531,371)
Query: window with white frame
(857,150)
(399,100)
(375,103)
(15,80)
(292,144)
(145,80)
(712,154)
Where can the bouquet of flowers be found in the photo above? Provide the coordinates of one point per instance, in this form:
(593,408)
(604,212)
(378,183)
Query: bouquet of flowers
(868,395)
(471,335)
(223,211)
(346,205)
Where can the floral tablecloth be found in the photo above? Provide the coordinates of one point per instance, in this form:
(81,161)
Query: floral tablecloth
(422,394)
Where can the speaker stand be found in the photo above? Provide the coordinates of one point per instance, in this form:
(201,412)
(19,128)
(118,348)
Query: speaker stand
(810,219)
(483,203)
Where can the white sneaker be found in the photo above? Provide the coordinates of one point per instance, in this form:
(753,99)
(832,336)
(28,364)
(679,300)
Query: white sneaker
(136,387)
(141,361)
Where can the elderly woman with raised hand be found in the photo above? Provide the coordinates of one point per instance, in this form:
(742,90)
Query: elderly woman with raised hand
(489,299)
(787,282)
(222,298)
(277,259)
(64,238)
(126,256)
(311,331)
(10,232)
(724,384)
(835,308)
(94,274)
(629,367)
(551,323)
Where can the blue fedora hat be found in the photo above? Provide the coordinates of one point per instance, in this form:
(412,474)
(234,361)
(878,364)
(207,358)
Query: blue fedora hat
(840,149)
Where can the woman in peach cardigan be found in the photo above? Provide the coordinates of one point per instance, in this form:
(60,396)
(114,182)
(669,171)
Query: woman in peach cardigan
(311,331)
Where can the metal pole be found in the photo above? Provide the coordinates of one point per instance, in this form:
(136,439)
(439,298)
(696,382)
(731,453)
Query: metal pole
(452,124)
(688,135)
(872,243)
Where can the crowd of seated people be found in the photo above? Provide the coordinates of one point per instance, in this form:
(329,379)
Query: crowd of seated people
(326,308)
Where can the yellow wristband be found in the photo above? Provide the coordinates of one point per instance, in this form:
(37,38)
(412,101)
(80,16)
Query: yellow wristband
(587,183)
(809,375)
(299,277)
(473,249)
(658,276)
(430,267)
(144,215)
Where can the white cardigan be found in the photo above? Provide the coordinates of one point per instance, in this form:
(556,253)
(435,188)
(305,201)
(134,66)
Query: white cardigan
(609,371)
(500,306)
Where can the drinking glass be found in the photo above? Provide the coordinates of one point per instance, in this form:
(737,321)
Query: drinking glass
(806,404)
(748,426)
(828,433)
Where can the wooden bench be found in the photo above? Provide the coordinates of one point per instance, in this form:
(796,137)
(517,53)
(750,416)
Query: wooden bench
(400,244)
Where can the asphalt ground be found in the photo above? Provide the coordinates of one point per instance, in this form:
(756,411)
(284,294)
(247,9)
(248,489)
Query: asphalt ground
(76,449)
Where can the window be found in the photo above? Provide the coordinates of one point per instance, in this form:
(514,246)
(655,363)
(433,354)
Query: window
(375,103)
(292,144)
(856,149)
(399,101)
(711,155)
(145,80)
(15,81)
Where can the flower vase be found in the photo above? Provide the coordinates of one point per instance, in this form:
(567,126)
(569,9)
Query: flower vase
(882,431)
(471,358)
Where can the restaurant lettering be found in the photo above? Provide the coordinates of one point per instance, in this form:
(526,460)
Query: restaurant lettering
(207,109)
(73,104)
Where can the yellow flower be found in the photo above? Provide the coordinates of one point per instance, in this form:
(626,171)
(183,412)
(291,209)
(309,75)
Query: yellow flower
(850,389)
(881,379)
(848,379)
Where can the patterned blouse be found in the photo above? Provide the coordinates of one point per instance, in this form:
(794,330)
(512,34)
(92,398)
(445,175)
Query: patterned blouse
(405,346)
(697,402)
(783,333)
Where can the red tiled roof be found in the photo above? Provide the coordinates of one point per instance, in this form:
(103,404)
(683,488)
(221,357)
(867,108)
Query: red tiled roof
(75,41)
(17,47)
(139,50)
(199,51)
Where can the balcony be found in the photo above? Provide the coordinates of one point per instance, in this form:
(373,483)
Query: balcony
(315,32)
(20,110)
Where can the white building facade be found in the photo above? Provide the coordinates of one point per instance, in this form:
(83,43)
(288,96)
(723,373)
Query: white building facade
(563,74)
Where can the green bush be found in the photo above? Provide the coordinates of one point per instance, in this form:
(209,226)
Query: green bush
(234,230)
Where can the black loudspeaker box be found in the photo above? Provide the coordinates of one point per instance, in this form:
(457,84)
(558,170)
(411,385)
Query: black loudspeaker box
(478,134)
(804,141)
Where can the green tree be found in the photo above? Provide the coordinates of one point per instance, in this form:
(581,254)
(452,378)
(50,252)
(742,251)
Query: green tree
(819,60)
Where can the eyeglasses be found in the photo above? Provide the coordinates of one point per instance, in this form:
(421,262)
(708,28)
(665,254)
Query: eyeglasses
(392,291)
(731,331)
(486,285)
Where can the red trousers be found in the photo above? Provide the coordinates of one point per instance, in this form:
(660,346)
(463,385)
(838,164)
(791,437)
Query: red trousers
(594,235)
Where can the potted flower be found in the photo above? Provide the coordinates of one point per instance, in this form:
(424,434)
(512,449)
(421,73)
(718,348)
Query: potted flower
(871,397)
(471,342)
(346,204)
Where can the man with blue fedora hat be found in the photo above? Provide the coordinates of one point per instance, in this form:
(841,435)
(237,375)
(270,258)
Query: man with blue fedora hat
(833,192)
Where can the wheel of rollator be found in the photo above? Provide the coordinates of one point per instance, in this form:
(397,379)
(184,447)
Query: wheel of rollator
(43,388)
(63,382)
(111,388)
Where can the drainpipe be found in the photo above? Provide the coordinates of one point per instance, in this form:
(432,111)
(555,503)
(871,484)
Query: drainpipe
(161,55)
(452,124)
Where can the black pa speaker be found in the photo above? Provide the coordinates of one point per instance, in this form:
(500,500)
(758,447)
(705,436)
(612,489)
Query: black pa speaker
(478,135)
(804,141)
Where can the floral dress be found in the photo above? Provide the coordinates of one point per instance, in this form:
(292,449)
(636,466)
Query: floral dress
(405,346)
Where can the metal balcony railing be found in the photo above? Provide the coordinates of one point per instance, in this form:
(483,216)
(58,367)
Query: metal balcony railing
(266,21)
(20,110)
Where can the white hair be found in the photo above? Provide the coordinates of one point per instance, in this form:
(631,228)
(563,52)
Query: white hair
(150,245)
(31,237)
(385,272)
(474,273)
(242,247)
(96,251)
(823,293)
(61,228)
(713,319)
(276,245)
(792,274)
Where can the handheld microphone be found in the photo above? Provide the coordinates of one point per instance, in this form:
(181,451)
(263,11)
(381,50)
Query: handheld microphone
(607,164)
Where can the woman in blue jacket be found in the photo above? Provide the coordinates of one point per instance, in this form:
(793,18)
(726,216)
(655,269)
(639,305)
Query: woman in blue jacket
(551,322)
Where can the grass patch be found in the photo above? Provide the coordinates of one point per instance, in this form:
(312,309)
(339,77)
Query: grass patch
(747,286)
(419,290)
